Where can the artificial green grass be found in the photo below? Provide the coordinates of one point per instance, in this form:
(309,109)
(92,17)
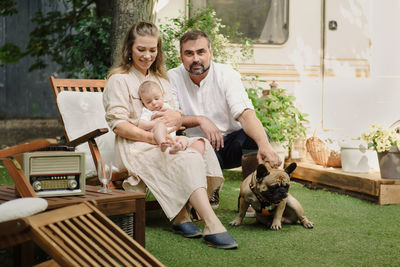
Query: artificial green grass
(347,232)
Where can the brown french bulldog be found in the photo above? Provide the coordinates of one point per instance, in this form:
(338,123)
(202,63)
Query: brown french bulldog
(266,190)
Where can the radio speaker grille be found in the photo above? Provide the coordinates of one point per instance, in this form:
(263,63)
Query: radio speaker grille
(51,165)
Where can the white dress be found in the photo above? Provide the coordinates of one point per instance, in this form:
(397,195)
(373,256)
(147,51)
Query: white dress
(171,178)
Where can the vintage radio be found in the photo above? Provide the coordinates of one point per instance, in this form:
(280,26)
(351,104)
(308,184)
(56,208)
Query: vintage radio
(55,173)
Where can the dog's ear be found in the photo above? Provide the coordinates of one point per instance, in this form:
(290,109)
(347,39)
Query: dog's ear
(289,169)
(268,166)
(262,171)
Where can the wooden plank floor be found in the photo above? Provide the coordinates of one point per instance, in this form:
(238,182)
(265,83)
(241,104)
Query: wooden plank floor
(368,186)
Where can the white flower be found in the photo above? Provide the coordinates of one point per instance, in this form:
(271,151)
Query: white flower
(381,139)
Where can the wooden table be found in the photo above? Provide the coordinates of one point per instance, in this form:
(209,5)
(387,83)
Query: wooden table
(116,203)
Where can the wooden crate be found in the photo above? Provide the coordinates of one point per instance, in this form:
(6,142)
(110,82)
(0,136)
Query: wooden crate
(367,186)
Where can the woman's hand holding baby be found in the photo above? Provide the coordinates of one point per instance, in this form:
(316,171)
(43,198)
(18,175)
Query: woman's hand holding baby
(171,118)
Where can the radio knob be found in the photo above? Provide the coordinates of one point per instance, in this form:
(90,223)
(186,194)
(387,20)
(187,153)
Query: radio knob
(37,186)
(72,184)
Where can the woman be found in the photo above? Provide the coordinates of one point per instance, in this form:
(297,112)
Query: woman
(188,176)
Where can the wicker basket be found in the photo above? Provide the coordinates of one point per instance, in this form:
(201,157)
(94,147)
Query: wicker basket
(125,222)
(321,154)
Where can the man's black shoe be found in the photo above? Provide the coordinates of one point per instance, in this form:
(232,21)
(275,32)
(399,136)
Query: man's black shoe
(214,201)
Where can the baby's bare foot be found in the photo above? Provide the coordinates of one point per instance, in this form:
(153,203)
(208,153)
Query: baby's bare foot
(164,146)
(175,149)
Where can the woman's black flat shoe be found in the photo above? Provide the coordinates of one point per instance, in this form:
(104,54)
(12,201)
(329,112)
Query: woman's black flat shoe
(221,240)
(187,229)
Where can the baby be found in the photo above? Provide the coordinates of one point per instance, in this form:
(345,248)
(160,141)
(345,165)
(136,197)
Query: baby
(152,98)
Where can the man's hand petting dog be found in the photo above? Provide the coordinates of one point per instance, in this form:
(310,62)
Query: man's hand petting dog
(267,190)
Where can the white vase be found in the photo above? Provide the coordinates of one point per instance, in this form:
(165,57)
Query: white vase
(281,151)
(357,158)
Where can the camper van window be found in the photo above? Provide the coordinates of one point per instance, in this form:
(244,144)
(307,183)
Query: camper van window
(264,21)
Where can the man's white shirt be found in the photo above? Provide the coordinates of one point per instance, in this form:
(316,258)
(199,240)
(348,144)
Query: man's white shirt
(221,97)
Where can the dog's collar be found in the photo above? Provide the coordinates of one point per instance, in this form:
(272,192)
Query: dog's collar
(262,201)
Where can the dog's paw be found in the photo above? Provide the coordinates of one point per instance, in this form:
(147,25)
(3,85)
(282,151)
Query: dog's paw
(235,222)
(276,226)
(307,224)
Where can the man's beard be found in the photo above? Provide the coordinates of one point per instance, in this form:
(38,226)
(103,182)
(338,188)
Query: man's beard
(198,71)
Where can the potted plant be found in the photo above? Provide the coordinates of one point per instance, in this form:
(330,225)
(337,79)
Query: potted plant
(280,117)
(386,142)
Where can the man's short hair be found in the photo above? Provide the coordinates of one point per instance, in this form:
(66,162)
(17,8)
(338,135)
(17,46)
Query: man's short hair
(192,36)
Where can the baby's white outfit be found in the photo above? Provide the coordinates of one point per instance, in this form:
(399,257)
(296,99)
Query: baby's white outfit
(146,115)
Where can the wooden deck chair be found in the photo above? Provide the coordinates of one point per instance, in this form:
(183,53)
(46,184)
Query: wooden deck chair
(79,235)
(80,106)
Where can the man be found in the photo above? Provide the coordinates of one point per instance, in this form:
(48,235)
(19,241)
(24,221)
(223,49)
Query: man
(215,104)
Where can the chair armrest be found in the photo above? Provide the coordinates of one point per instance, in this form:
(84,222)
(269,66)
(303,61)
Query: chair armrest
(87,137)
(119,176)
(31,146)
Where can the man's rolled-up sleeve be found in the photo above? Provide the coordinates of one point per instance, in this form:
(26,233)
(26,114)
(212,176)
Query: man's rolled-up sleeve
(236,95)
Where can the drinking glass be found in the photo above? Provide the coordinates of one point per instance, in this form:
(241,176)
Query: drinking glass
(104,173)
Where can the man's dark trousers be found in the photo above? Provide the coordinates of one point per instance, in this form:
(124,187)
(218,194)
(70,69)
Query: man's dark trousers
(235,145)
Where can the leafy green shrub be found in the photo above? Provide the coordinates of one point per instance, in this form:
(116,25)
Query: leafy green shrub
(278,114)
(90,57)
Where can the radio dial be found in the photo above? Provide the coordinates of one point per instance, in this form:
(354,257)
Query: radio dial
(37,186)
(72,184)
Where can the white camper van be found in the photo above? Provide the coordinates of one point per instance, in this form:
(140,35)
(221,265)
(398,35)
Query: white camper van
(339,58)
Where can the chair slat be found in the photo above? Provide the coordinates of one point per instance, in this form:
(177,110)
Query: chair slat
(44,236)
(67,246)
(83,231)
(124,246)
(104,238)
(79,85)
(76,247)
(87,244)
(125,238)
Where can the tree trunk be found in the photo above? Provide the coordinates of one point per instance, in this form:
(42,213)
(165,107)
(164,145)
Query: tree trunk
(125,14)
(104,8)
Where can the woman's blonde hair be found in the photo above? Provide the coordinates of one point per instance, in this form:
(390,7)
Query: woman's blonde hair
(125,62)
